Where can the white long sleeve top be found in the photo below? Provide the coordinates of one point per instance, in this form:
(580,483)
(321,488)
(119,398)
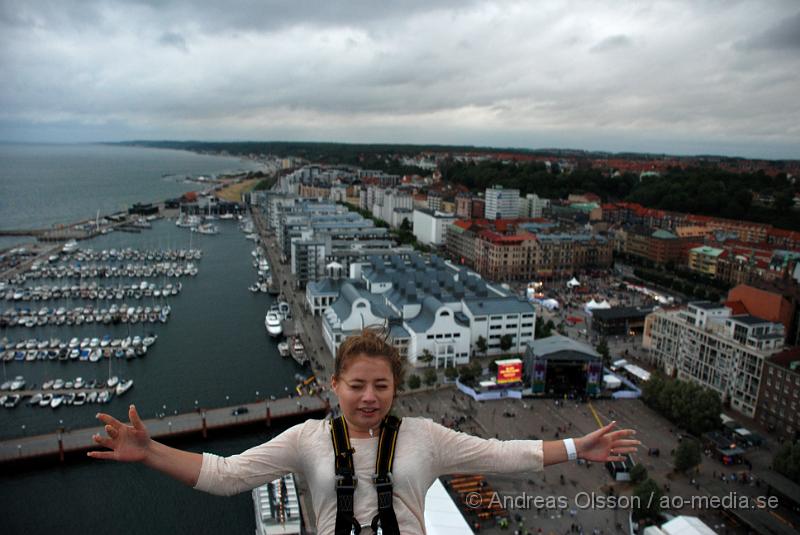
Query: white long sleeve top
(425,450)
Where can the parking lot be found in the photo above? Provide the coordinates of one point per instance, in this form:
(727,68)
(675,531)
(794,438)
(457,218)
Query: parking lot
(583,487)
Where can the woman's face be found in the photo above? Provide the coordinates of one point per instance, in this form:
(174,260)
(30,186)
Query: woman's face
(365,389)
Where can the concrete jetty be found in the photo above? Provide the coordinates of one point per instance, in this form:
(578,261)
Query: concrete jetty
(199,422)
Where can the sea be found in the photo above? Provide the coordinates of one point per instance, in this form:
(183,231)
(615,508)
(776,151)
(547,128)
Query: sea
(213,351)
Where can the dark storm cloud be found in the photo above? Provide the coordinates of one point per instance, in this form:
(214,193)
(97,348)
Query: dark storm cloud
(425,71)
(785,35)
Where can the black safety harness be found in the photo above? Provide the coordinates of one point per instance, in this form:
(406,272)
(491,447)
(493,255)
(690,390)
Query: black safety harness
(346,480)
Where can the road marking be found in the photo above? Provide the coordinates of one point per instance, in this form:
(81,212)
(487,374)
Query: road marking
(594,413)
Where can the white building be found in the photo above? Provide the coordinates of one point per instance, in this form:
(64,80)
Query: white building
(532,205)
(705,343)
(430,227)
(502,203)
(432,308)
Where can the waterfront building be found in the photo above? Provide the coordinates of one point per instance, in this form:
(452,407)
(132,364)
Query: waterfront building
(706,343)
(502,203)
(431,309)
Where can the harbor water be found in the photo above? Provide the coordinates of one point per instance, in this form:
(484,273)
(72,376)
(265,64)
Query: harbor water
(213,351)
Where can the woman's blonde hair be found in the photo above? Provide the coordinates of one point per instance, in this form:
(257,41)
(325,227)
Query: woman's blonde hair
(371,342)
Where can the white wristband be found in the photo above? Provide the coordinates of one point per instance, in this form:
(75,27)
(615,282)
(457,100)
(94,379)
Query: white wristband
(572,452)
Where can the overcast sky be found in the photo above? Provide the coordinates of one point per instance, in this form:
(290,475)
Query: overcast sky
(685,77)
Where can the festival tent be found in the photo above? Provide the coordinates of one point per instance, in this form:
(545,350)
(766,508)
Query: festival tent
(550,304)
(611,382)
(594,305)
(572,283)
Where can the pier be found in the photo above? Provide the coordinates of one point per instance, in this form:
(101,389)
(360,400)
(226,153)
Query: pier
(199,422)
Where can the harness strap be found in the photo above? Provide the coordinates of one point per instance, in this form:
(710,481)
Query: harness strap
(345,480)
(382,479)
(385,520)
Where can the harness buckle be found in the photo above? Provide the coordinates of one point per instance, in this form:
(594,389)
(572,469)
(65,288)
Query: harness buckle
(343,484)
(382,481)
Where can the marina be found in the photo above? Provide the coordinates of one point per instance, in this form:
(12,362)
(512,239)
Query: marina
(90,291)
(213,351)
(27,317)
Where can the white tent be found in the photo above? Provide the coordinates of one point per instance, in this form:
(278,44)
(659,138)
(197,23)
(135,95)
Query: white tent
(573,282)
(611,382)
(594,305)
(550,304)
(686,525)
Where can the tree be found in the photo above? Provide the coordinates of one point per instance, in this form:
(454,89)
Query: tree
(430,377)
(493,367)
(451,373)
(506,341)
(687,455)
(602,348)
(406,225)
(414,382)
(466,374)
(426,357)
(787,461)
(638,473)
(480,345)
(542,329)
(646,505)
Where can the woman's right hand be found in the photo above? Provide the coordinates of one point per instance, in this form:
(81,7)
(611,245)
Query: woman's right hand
(129,443)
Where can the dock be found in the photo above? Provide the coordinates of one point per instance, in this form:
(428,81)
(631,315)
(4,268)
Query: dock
(200,422)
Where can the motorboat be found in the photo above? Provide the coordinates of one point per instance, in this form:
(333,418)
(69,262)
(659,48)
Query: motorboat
(78,384)
(58,384)
(112,381)
(124,386)
(273,323)
(11,401)
(18,383)
(56,401)
(283,349)
(298,351)
(206,228)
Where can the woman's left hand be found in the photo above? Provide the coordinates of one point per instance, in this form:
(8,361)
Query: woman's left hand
(606,445)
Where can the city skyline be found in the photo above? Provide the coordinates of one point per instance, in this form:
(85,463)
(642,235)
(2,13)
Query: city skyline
(682,78)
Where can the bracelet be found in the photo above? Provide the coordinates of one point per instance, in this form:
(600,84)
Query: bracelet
(572,452)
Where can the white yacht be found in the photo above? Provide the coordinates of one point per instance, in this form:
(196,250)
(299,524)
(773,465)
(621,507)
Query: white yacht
(112,381)
(18,383)
(206,228)
(273,323)
(124,386)
(70,247)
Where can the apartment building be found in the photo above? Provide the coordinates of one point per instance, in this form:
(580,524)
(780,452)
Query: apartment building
(706,343)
